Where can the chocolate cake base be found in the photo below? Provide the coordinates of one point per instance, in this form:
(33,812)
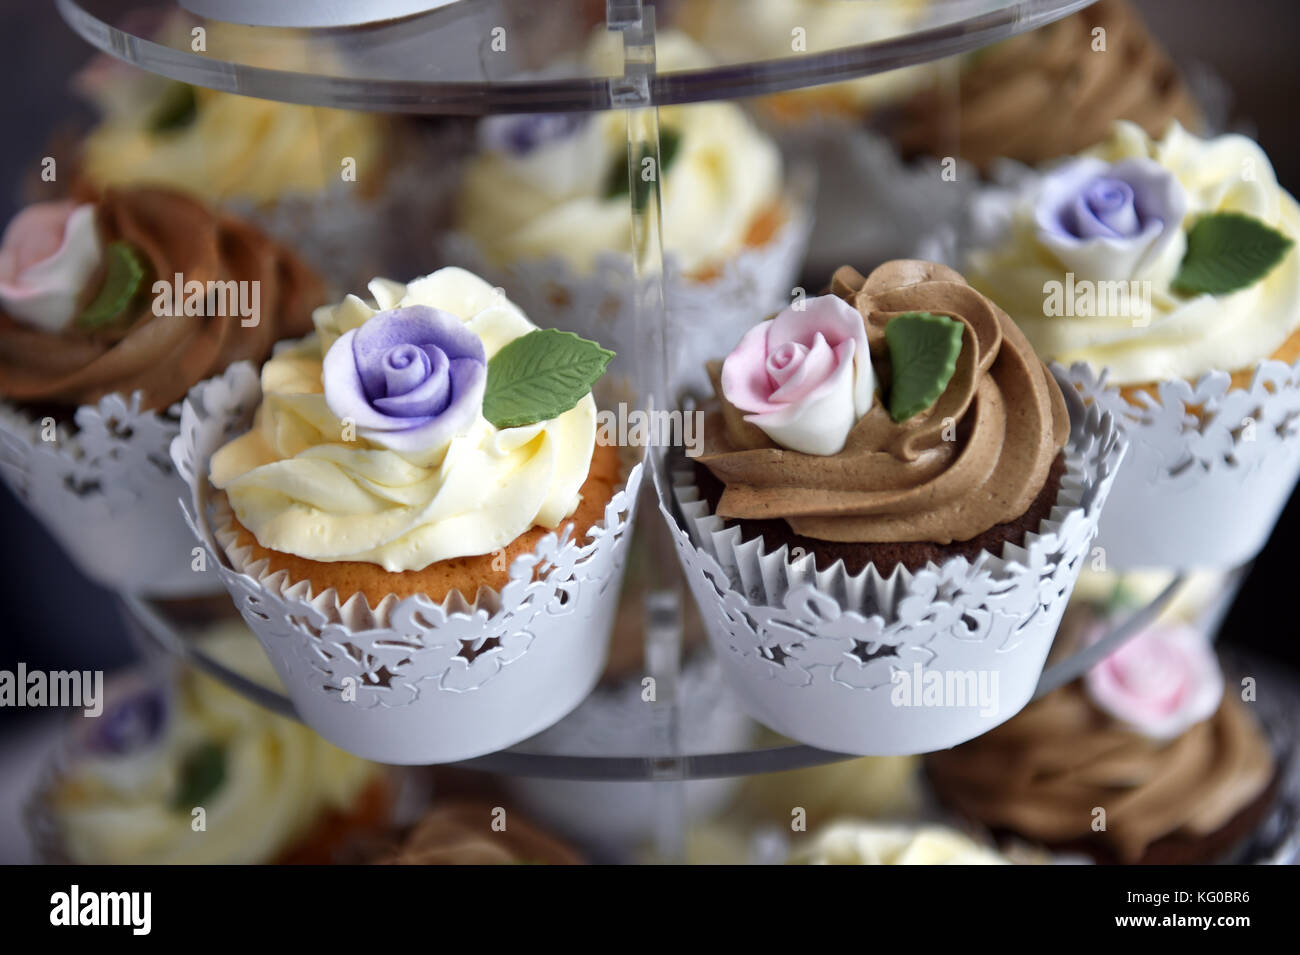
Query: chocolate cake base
(911,554)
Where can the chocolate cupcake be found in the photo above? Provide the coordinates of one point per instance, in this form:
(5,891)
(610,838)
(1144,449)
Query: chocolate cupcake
(973,462)
(891,495)
(110,310)
(1146,760)
(1050,92)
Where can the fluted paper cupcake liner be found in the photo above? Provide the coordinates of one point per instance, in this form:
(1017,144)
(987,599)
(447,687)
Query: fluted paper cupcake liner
(1209,469)
(412,681)
(107,493)
(851,663)
(617,721)
(705,316)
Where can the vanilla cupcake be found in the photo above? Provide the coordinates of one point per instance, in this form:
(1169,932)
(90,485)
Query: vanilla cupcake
(892,499)
(345,186)
(192,773)
(1165,272)
(544,209)
(422,479)
(99,338)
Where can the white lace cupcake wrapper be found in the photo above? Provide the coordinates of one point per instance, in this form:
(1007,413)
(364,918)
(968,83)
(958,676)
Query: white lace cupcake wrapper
(1199,489)
(905,663)
(704,317)
(108,494)
(411,681)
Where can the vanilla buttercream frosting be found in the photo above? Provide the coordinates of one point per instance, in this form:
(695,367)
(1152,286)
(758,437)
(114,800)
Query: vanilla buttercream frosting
(1013,260)
(276,781)
(871,843)
(529,197)
(303,485)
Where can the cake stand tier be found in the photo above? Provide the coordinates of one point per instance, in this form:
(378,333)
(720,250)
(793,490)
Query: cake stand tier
(511,56)
(157,626)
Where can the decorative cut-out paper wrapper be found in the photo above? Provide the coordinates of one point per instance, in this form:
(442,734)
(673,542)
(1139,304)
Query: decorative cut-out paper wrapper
(1209,468)
(425,682)
(820,655)
(616,721)
(107,492)
(705,316)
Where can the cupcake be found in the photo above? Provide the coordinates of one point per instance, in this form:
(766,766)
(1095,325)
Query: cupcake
(350,189)
(871,204)
(467,832)
(1049,93)
(420,508)
(190,772)
(1145,760)
(1164,272)
(110,309)
(869,843)
(890,497)
(543,208)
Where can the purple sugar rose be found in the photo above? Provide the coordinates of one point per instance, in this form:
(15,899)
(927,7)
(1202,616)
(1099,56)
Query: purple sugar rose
(410,378)
(519,135)
(130,725)
(1109,220)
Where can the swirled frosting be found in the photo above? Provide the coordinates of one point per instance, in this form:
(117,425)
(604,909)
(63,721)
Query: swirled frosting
(463,834)
(1186,335)
(1045,772)
(874,843)
(553,199)
(278,778)
(162,356)
(233,147)
(302,488)
(976,458)
(1051,92)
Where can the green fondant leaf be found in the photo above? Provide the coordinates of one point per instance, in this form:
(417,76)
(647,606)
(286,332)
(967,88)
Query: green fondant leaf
(616,182)
(123,277)
(201,774)
(540,376)
(1226,252)
(923,350)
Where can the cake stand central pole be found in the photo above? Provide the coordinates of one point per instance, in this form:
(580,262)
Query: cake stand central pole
(663,592)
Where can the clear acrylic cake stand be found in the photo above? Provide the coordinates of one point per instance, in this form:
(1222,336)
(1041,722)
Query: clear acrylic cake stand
(435,63)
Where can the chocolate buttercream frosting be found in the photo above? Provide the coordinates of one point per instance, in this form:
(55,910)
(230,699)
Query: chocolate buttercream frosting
(462,834)
(1051,92)
(978,457)
(1044,773)
(162,356)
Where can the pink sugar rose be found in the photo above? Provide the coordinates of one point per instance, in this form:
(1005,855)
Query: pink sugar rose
(805,376)
(49,252)
(1161,682)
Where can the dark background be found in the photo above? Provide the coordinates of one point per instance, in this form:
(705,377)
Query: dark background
(52,618)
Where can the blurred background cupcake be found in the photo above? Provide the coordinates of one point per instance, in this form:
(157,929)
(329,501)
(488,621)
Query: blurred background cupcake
(543,210)
(184,770)
(1164,270)
(359,194)
(1147,759)
(477,832)
(99,340)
